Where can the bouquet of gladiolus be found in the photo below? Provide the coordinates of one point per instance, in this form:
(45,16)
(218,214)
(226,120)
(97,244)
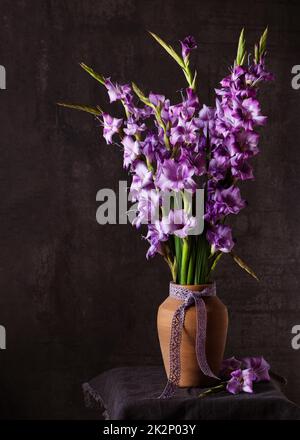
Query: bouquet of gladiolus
(183,147)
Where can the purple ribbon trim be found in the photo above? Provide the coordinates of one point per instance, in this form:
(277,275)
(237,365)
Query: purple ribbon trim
(189,297)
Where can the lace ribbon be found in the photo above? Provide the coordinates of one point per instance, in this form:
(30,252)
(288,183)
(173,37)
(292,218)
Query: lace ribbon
(189,298)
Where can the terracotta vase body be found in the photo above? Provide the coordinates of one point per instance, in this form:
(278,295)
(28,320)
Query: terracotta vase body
(216,333)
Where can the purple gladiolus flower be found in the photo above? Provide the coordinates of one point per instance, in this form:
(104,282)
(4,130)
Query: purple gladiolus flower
(184,132)
(162,104)
(188,44)
(178,222)
(228,366)
(206,119)
(258,72)
(220,162)
(247,114)
(157,99)
(237,72)
(133,128)
(199,163)
(186,109)
(259,366)
(223,202)
(243,144)
(138,113)
(110,127)
(241,169)
(152,147)
(117,91)
(131,150)
(147,207)
(229,200)
(191,98)
(241,380)
(155,239)
(220,238)
(175,176)
(221,155)
(142,179)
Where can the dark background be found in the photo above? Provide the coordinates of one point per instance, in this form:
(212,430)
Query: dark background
(78,298)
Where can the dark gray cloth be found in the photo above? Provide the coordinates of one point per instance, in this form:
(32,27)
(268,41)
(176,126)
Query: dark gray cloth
(130,393)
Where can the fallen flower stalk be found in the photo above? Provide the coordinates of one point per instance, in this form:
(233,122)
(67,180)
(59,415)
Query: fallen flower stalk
(241,375)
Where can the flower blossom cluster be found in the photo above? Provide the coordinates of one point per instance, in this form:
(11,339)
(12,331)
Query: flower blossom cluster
(188,145)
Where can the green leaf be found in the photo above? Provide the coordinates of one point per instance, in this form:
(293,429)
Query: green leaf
(256,53)
(243,265)
(172,265)
(193,85)
(191,267)
(263,43)
(169,49)
(215,261)
(85,108)
(94,74)
(241,52)
(141,95)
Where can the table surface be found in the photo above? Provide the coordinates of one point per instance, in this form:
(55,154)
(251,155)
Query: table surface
(131,393)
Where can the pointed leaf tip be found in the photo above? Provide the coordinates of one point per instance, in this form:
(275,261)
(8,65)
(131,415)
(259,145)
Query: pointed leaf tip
(263,42)
(241,51)
(96,111)
(243,265)
(168,48)
(95,75)
(141,95)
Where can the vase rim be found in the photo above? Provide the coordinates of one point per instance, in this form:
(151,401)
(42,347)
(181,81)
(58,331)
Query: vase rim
(193,286)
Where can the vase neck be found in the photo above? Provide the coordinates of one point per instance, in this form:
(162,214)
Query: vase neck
(192,291)
(193,287)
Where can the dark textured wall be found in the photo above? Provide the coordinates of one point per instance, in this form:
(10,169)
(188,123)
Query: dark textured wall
(77,298)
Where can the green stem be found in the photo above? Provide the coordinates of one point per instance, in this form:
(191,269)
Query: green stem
(191,270)
(184,261)
(213,390)
(190,77)
(201,270)
(197,265)
(164,127)
(178,252)
(172,266)
(215,262)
